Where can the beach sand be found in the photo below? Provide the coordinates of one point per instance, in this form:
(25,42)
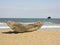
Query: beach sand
(40,37)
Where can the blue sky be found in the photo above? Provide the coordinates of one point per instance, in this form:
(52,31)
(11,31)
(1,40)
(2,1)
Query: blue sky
(29,8)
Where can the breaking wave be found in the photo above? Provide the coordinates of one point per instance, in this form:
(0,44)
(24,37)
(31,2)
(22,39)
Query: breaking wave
(46,25)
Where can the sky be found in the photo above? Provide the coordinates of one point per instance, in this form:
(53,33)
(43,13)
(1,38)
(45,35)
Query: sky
(29,8)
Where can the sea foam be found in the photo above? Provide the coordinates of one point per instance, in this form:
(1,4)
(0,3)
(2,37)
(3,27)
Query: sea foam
(46,25)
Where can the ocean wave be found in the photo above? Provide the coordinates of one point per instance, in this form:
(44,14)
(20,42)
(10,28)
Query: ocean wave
(43,27)
(46,25)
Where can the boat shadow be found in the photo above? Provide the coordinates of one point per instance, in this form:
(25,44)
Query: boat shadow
(12,32)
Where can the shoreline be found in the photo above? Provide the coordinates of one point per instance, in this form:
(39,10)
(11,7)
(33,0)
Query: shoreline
(44,27)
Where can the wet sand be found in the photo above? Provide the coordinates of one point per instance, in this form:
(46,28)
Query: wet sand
(40,37)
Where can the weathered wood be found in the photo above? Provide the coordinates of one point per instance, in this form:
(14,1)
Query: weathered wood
(18,27)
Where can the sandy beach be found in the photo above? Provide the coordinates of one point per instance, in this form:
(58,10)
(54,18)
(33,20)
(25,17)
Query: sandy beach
(40,37)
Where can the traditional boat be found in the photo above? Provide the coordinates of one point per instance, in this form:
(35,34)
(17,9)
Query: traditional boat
(19,27)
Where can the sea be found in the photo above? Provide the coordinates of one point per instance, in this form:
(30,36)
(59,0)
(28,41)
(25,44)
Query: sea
(48,24)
